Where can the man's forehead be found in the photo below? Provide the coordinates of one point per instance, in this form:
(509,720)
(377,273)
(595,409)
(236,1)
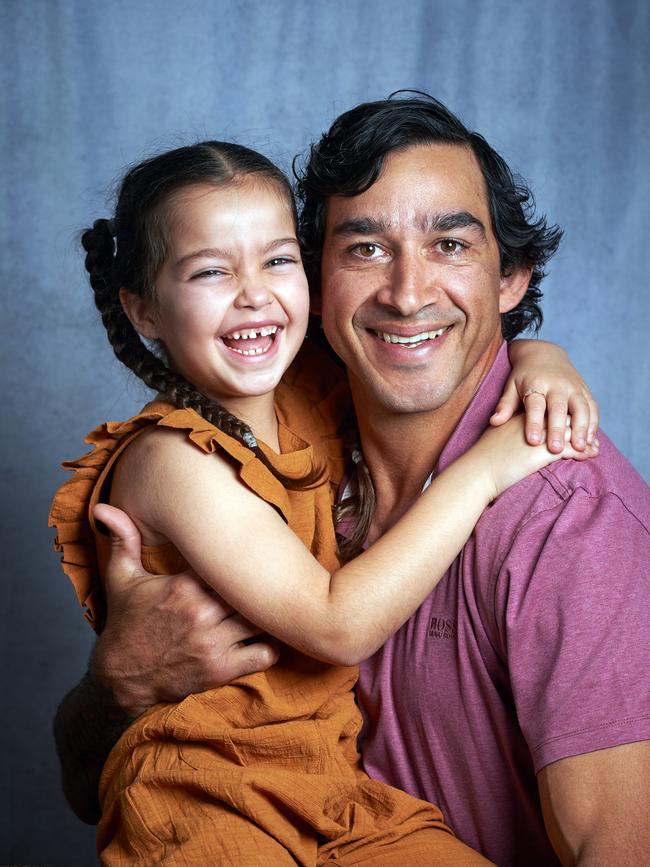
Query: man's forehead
(422,185)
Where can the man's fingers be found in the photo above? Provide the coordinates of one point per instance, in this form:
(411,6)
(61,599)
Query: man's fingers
(125,562)
(239,629)
(235,633)
(535,406)
(249,658)
(221,668)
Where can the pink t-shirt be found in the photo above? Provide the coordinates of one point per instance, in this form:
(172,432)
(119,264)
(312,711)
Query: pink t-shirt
(534,647)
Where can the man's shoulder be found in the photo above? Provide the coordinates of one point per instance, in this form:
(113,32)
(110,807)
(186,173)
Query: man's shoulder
(610,475)
(571,491)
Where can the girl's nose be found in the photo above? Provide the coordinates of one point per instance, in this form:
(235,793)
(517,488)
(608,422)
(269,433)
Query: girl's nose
(253,294)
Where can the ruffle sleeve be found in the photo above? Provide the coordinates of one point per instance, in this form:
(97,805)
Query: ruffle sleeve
(71,509)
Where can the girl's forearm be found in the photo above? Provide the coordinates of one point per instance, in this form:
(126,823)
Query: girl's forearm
(370,597)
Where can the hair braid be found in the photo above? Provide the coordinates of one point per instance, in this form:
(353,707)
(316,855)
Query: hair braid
(357,507)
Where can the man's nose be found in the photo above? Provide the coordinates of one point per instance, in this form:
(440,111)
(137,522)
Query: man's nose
(253,293)
(411,284)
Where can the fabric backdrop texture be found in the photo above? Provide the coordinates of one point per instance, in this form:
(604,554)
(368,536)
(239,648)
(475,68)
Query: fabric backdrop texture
(559,88)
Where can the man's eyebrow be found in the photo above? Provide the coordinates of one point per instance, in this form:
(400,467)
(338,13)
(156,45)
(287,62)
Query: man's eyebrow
(446,222)
(361,226)
(450,221)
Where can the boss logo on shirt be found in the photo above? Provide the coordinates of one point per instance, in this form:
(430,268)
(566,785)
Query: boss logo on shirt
(442,627)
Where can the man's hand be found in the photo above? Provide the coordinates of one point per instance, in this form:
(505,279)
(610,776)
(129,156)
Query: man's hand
(595,806)
(166,636)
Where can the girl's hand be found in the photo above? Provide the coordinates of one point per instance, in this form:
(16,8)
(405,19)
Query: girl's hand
(545,382)
(507,458)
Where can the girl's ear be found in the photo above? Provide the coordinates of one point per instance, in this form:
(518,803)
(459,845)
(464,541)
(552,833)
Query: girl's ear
(141,314)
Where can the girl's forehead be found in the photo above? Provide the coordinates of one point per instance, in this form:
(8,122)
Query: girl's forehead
(250,191)
(248,198)
(243,212)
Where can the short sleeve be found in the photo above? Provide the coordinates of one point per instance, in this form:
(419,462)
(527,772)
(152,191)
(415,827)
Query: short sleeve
(574,592)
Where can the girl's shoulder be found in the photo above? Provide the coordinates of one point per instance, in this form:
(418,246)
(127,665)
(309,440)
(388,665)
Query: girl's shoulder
(72,505)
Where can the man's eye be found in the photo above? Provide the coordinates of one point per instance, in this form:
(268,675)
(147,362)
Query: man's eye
(450,246)
(367,251)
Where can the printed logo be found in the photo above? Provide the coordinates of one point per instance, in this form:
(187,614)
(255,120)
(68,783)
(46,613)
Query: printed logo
(442,627)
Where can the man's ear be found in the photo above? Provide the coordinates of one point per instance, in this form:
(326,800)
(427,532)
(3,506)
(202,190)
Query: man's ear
(141,314)
(513,288)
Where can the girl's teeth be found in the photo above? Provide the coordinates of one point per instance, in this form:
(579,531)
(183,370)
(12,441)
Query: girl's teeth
(257,351)
(250,333)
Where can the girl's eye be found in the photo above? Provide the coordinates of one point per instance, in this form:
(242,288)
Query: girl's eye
(280,260)
(209,272)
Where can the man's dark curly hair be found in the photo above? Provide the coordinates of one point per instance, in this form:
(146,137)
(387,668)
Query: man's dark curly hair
(348,160)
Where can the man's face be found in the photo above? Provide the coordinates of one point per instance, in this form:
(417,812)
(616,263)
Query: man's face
(412,290)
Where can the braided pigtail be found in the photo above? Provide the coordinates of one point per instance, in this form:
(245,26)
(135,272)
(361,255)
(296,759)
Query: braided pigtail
(355,511)
(129,252)
(99,245)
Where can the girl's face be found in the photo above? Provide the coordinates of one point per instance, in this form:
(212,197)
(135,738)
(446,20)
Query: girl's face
(231,298)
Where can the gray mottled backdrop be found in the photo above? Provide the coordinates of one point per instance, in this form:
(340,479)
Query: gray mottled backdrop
(559,87)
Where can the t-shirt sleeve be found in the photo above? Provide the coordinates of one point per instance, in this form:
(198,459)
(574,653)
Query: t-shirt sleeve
(574,592)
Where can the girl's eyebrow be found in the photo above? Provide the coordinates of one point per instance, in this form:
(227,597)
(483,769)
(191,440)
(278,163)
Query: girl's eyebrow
(225,253)
(207,253)
(280,242)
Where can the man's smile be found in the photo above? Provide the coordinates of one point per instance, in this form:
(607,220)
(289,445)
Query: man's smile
(412,339)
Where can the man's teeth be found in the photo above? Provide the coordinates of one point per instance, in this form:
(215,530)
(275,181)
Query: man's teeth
(415,338)
(249,333)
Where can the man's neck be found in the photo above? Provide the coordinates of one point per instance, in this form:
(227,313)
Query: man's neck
(402,449)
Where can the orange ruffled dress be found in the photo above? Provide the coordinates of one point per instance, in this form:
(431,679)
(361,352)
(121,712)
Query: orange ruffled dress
(265,769)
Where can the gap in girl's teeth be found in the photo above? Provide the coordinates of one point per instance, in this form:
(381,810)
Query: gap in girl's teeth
(252,346)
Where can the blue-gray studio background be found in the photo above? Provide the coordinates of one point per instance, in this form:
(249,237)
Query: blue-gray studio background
(560,88)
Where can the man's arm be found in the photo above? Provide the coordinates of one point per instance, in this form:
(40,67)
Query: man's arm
(87,725)
(578,632)
(595,806)
(165,637)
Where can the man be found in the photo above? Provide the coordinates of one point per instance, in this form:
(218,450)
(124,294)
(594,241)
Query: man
(512,698)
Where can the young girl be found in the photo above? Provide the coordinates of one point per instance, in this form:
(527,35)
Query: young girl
(230,471)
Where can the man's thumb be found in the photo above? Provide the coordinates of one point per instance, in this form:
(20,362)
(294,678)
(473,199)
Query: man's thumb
(125,561)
